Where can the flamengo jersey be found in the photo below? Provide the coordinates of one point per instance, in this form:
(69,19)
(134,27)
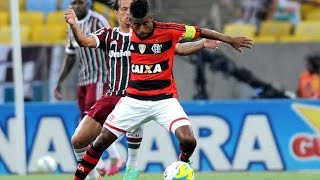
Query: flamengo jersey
(116,46)
(92,61)
(152,59)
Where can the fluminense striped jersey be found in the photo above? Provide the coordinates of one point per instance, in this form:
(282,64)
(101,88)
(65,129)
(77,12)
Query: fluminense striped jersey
(116,46)
(92,61)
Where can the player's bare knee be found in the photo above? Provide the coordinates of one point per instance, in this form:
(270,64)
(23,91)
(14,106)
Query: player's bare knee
(76,142)
(189,141)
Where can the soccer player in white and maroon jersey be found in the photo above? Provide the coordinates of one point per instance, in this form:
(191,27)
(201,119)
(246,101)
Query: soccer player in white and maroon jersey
(92,80)
(116,43)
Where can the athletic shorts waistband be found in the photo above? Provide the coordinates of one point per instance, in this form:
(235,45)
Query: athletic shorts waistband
(151,98)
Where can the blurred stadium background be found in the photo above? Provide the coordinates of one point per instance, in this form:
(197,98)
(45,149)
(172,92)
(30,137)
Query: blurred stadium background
(288,137)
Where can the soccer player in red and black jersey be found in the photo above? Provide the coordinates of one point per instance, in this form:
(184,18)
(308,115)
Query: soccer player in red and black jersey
(116,45)
(152,92)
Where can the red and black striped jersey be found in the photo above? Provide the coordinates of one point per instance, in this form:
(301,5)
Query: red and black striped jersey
(116,45)
(152,59)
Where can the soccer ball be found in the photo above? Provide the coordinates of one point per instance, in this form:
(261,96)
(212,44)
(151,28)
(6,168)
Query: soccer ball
(179,171)
(46,164)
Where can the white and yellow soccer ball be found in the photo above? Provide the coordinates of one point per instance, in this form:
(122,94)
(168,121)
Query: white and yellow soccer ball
(46,164)
(179,171)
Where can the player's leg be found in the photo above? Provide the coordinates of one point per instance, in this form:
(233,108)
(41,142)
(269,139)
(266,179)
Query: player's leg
(93,153)
(134,141)
(81,98)
(82,137)
(126,116)
(187,140)
(94,93)
(170,114)
(91,125)
(86,132)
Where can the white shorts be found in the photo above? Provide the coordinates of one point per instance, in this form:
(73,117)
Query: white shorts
(130,113)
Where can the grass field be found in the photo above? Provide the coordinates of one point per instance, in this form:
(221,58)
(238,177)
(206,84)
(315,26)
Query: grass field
(199,176)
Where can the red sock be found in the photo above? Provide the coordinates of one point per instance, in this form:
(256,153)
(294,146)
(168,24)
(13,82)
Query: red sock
(88,162)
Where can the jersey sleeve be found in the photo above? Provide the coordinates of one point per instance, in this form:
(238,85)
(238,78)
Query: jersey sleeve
(100,36)
(69,48)
(182,31)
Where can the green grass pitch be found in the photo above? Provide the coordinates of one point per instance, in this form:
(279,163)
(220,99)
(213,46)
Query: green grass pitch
(198,176)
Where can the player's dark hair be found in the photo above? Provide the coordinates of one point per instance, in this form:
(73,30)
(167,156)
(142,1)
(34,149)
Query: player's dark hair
(139,8)
(114,4)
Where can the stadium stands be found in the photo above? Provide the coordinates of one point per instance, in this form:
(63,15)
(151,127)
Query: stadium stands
(51,12)
(5,5)
(48,34)
(313,16)
(5,34)
(42,6)
(31,18)
(4,18)
(56,18)
(275,29)
(237,29)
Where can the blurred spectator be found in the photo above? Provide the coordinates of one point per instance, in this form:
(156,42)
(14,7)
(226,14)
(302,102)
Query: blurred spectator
(256,11)
(291,10)
(221,12)
(219,62)
(288,10)
(309,81)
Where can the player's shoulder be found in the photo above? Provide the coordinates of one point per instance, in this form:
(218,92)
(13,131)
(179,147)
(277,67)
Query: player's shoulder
(100,17)
(168,25)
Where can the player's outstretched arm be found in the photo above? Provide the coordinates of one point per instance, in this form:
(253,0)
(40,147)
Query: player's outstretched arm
(236,42)
(82,40)
(188,48)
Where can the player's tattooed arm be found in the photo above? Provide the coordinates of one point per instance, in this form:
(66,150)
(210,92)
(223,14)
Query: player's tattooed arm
(79,36)
(188,48)
(236,42)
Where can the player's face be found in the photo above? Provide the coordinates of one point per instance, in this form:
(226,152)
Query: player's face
(123,13)
(80,7)
(142,26)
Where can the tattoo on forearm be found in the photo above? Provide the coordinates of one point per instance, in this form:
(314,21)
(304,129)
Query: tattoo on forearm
(191,44)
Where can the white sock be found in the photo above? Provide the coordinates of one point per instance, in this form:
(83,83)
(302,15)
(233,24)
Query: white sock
(134,141)
(113,151)
(100,164)
(132,158)
(79,155)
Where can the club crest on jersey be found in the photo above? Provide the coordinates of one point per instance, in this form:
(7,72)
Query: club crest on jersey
(156,48)
(142,48)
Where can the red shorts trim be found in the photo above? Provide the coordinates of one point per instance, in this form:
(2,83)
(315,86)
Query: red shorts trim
(115,128)
(179,119)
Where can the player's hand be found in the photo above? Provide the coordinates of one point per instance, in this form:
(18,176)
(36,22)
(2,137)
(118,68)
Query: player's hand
(57,92)
(70,16)
(241,42)
(212,44)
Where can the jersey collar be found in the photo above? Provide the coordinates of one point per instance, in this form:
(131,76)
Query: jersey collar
(87,17)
